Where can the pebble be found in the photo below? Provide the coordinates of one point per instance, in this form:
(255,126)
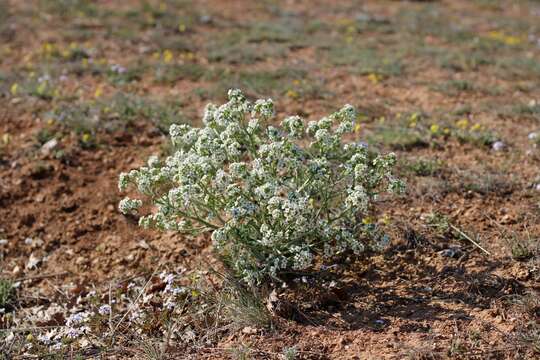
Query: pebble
(49,146)
(33,262)
(33,242)
(537,187)
(3,242)
(451,252)
(533,136)
(498,146)
(205,19)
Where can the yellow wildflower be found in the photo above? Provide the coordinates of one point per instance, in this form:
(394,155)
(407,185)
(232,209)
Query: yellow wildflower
(434,128)
(506,39)
(385,219)
(86,137)
(344,22)
(14,89)
(41,88)
(374,78)
(181,28)
(463,123)
(292,94)
(367,220)
(48,48)
(98,92)
(5,139)
(357,128)
(476,127)
(167,56)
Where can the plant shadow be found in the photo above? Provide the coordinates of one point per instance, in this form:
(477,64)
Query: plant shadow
(407,288)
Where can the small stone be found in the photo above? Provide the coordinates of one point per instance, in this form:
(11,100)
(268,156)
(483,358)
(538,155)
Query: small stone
(16,270)
(537,187)
(498,146)
(533,136)
(249,330)
(205,19)
(33,262)
(143,244)
(3,242)
(49,146)
(451,252)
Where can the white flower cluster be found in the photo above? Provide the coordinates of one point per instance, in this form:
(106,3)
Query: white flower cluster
(274,198)
(90,317)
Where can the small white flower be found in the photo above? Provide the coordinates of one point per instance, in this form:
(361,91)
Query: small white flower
(104,309)
(129,206)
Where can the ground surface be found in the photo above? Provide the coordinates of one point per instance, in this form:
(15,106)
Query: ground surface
(88,89)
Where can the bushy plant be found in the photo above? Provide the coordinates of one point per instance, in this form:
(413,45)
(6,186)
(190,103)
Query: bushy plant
(275,199)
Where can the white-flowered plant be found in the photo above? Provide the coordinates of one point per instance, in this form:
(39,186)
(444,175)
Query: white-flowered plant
(275,198)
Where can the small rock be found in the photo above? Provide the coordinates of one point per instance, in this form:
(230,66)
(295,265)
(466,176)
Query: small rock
(205,19)
(533,136)
(3,242)
(33,262)
(277,306)
(81,260)
(249,330)
(16,270)
(498,146)
(143,244)
(452,252)
(49,146)
(537,187)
